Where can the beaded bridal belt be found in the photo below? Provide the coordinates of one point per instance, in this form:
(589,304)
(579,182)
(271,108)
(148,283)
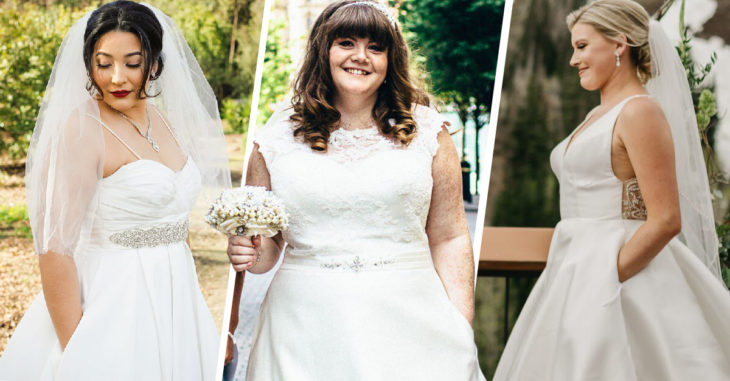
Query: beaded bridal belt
(359,262)
(159,235)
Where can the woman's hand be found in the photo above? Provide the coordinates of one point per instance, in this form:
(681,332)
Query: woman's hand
(62,293)
(623,267)
(243,252)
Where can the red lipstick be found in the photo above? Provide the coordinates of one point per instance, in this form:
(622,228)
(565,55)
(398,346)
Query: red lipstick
(120,93)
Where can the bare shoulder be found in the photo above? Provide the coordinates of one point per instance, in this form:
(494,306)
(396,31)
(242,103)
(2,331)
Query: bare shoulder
(642,111)
(446,155)
(641,117)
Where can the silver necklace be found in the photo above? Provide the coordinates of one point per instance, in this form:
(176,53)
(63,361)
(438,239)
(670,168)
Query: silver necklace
(148,135)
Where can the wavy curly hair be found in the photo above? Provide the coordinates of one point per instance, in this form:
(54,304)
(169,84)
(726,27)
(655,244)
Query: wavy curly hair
(313,95)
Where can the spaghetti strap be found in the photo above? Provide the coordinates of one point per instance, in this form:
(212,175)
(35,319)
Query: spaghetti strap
(164,121)
(116,136)
(635,96)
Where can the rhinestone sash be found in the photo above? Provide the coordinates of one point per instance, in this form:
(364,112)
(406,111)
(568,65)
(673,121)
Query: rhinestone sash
(358,262)
(164,234)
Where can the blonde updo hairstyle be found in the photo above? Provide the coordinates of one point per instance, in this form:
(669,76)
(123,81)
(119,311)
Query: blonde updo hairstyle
(613,18)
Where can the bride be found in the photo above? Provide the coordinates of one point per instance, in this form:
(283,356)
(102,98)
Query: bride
(632,288)
(127,135)
(377,278)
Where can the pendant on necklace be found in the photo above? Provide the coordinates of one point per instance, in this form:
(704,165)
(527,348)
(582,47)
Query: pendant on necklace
(154,145)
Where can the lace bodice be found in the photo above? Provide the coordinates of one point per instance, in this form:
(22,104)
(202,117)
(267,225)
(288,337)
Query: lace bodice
(366,194)
(588,186)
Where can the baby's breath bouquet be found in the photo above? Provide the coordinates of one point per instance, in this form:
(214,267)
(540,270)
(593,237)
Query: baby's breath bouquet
(247,211)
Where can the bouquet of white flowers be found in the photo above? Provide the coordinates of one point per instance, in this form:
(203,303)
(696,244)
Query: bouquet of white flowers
(247,211)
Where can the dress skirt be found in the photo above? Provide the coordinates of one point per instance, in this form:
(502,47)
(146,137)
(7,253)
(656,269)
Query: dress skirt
(144,318)
(671,321)
(388,322)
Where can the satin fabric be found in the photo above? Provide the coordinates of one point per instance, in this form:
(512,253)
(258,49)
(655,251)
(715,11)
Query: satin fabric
(144,317)
(667,322)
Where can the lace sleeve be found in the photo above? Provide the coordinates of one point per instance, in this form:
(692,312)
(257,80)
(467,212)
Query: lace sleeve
(275,137)
(428,122)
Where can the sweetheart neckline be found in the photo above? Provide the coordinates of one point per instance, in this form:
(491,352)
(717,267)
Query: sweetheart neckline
(174,173)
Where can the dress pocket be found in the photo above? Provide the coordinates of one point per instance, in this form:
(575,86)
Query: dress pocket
(449,306)
(71,344)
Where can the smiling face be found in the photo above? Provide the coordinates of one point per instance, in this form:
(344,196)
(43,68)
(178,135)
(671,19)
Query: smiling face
(593,55)
(118,69)
(358,66)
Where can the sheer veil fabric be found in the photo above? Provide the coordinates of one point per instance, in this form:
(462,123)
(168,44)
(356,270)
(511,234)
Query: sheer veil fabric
(669,87)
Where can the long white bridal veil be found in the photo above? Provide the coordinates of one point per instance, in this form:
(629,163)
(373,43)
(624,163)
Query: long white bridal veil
(669,87)
(188,101)
(66,153)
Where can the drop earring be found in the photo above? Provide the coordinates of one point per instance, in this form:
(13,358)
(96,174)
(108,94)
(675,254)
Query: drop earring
(618,60)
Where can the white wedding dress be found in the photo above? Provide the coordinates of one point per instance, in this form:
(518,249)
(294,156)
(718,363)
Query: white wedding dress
(357,296)
(144,317)
(671,321)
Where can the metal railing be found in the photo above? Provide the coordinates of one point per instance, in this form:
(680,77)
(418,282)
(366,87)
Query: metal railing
(513,252)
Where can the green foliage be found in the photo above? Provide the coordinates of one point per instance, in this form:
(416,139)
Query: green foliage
(208,29)
(705,108)
(278,68)
(14,221)
(29,39)
(236,114)
(460,42)
(695,73)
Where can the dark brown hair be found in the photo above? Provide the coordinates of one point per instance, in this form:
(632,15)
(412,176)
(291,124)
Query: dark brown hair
(314,114)
(125,16)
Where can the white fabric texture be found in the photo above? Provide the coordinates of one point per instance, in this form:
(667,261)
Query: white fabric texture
(144,317)
(668,322)
(357,296)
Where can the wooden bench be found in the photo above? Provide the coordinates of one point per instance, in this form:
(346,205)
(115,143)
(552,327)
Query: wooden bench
(508,251)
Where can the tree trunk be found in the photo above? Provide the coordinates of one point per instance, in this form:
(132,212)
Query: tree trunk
(232,47)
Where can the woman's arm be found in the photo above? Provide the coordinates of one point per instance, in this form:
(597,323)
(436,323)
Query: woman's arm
(448,232)
(241,250)
(646,139)
(62,293)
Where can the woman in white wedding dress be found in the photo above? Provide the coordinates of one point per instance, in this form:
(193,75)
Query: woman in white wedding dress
(377,278)
(127,135)
(622,296)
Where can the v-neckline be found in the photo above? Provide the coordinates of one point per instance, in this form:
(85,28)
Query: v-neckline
(582,127)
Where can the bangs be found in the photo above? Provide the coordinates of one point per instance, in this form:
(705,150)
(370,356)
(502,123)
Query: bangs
(359,21)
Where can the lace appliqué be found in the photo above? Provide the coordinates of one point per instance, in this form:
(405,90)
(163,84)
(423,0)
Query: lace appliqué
(357,264)
(152,237)
(353,145)
(632,203)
